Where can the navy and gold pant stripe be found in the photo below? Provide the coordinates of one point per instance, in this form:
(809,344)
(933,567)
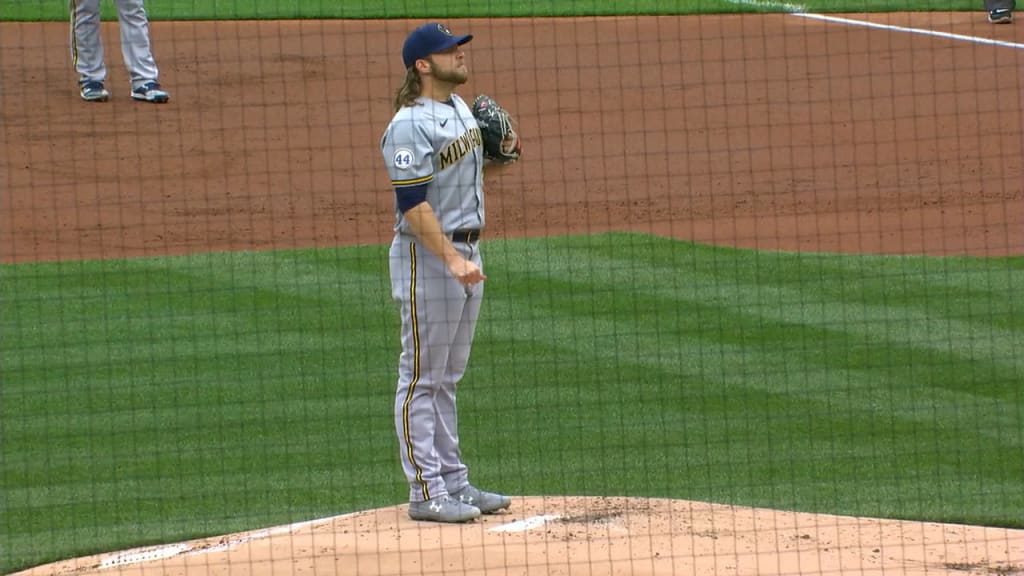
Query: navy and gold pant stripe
(74,37)
(406,425)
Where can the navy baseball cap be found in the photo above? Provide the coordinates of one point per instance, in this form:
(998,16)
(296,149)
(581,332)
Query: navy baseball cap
(429,39)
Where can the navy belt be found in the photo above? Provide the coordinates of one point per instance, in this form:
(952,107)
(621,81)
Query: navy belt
(466,236)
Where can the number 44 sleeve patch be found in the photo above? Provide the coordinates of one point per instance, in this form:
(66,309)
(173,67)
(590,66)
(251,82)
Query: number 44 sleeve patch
(404,158)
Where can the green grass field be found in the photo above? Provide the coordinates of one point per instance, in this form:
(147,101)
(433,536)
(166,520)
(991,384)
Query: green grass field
(281,9)
(153,400)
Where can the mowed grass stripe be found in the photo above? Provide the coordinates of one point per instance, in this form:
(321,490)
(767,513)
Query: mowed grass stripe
(812,363)
(738,305)
(616,364)
(146,311)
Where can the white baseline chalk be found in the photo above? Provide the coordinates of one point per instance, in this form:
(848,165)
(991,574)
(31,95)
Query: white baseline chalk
(922,31)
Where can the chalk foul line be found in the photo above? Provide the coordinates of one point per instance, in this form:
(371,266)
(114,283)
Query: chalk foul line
(922,31)
(801,11)
(139,555)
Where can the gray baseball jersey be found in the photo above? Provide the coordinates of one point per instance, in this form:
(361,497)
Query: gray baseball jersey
(87,47)
(437,144)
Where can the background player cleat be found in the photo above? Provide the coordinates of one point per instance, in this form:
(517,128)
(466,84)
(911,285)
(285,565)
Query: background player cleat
(151,92)
(1000,11)
(94,92)
(1000,16)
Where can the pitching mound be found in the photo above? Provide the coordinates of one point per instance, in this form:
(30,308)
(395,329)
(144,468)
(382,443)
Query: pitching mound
(573,535)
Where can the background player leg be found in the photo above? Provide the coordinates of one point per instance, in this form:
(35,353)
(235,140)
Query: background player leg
(137,50)
(87,49)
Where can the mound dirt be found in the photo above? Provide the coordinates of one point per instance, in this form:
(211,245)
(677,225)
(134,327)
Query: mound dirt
(555,535)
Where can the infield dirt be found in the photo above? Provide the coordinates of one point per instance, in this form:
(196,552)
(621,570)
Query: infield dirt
(772,131)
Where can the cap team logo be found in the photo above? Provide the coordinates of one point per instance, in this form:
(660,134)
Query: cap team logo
(404,158)
(443,30)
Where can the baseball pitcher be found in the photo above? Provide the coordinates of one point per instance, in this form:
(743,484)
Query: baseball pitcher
(435,150)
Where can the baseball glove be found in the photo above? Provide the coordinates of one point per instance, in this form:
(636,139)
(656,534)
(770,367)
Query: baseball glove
(501,143)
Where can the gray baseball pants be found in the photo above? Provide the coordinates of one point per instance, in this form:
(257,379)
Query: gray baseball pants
(439,317)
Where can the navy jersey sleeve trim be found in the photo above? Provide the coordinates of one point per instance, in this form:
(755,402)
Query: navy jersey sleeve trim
(410,196)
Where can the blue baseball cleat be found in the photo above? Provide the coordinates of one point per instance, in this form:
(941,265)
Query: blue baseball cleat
(1000,16)
(94,92)
(151,92)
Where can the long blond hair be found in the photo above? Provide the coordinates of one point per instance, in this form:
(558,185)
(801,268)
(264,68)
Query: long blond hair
(410,90)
